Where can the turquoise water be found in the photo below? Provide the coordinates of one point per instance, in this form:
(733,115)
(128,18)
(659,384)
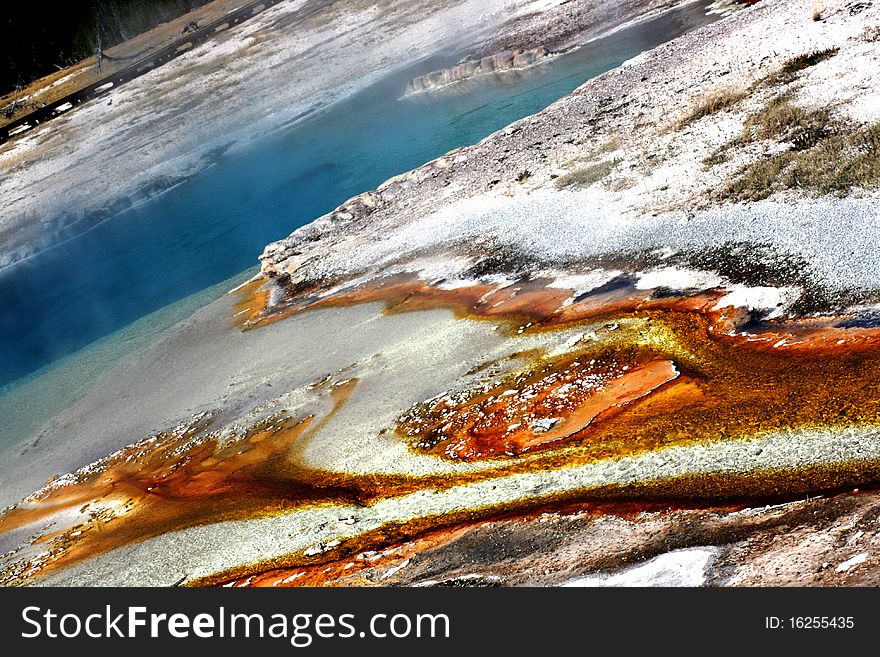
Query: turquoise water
(27,405)
(214,226)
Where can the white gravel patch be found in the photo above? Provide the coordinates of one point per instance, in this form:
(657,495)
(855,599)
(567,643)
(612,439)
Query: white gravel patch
(817,238)
(677,568)
(849,564)
(677,279)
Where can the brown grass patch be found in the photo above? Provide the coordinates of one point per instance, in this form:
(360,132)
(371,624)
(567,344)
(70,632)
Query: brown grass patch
(871,34)
(826,157)
(782,120)
(714,102)
(791,67)
(583,177)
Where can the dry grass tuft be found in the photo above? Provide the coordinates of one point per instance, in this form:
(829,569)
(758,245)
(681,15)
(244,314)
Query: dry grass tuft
(721,154)
(791,67)
(723,98)
(871,34)
(826,156)
(610,145)
(585,176)
(782,120)
(713,102)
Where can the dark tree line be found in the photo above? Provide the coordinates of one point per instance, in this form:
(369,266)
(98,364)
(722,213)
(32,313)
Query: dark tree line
(37,38)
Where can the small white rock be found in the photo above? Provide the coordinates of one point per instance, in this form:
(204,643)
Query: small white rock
(852,563)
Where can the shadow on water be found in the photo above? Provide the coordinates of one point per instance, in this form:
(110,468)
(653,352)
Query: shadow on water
(215,224)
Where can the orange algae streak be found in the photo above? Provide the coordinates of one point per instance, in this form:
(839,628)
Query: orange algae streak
(618,396)
(727,388)
(539,306)
(534,411)
(791,374)
(184,478)
(252,301)
(531,301)
(606,400)
(174,481)
(371,558)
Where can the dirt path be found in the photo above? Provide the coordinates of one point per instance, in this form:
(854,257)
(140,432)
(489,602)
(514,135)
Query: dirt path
(55,94)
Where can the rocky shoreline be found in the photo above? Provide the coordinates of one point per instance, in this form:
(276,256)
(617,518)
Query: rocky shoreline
(505,60)
(530,39)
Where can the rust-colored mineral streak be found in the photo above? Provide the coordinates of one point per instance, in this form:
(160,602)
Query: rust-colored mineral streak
(648,373)
(541,409)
